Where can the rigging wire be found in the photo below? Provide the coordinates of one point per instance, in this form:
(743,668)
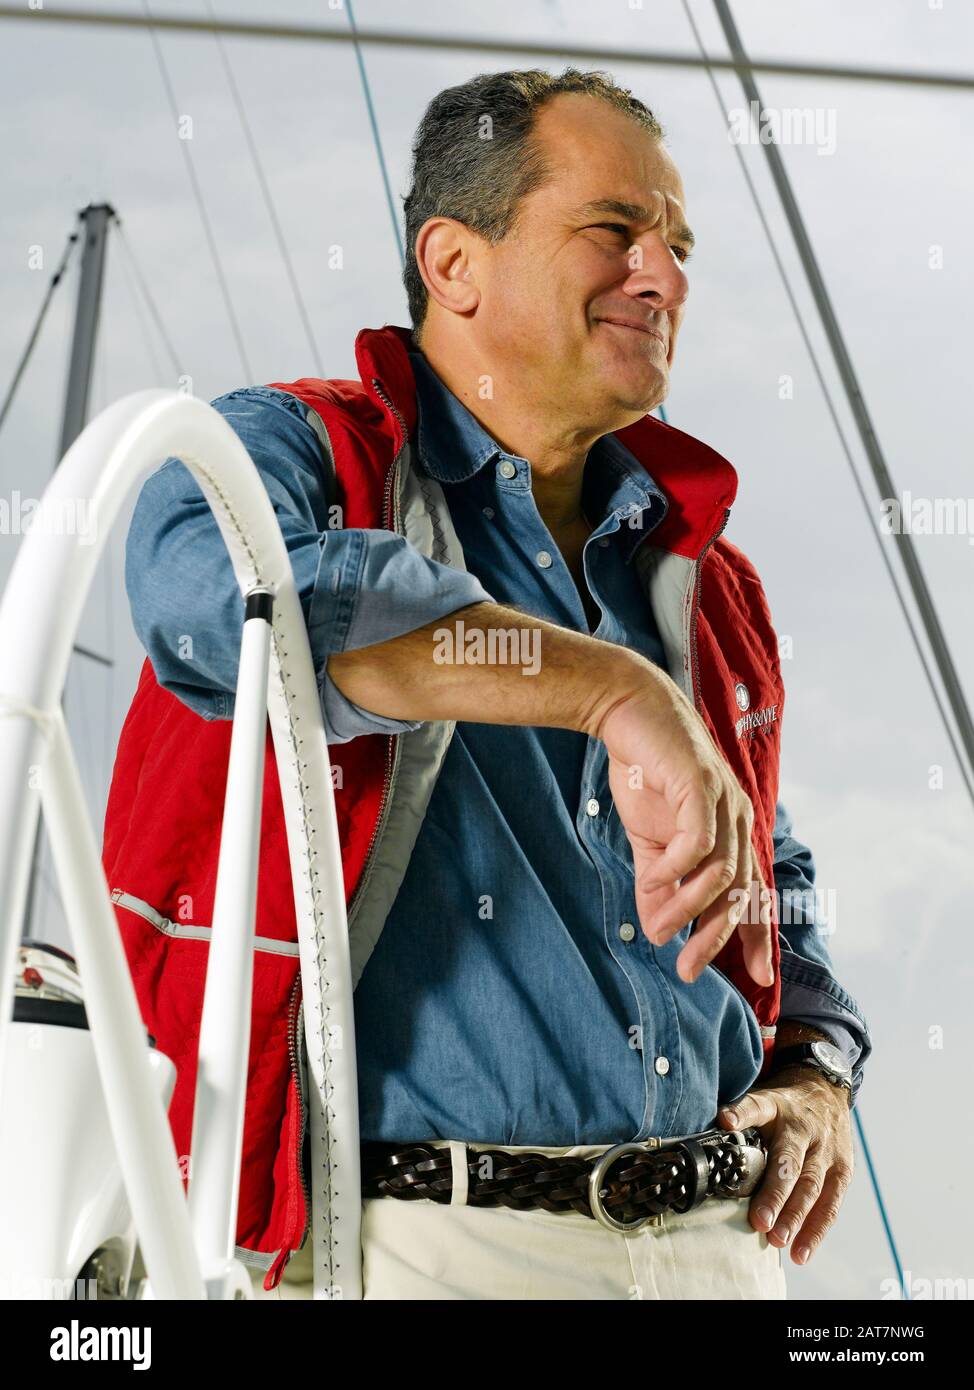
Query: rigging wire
(150,303)
(461,43)
(874,1180)
(198,195)
(390,201)
(266,195)
(35,331)
(833,413)
(139,311)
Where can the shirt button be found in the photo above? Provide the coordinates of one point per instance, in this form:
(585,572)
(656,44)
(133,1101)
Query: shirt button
(489,513)
(662,1066)
(506,469)
(592,807)
(604,542)
(627,931)
(543,559)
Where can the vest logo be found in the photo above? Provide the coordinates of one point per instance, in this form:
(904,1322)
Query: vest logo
(751,719)
(756,719)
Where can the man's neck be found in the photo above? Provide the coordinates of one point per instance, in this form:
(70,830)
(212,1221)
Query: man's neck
(555,445)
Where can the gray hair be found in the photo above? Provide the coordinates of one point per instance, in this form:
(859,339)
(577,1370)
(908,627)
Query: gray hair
(474,158)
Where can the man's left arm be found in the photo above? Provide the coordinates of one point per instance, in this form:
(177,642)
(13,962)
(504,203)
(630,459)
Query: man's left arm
(810,993)
(804,1118)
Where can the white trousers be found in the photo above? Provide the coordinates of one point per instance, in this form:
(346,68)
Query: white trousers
(427,1250)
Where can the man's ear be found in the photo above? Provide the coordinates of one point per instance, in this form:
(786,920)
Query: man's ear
(443,254)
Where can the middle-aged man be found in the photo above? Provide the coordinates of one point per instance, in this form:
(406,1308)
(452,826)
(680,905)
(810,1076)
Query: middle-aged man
(554,700)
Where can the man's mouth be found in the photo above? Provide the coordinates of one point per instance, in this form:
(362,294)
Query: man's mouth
(636,328)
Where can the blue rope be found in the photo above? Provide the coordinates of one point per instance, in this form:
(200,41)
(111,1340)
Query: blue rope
(881,1204)
(378,143)
(662,414)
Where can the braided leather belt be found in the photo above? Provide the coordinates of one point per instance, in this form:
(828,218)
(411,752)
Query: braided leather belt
(625,1188)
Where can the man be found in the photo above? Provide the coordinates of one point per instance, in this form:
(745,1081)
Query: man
(552,691)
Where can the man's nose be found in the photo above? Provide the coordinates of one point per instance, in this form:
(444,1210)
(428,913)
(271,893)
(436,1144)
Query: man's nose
(657,274)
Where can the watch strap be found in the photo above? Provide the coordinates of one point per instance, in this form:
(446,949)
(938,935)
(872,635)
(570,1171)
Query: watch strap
(804,1054)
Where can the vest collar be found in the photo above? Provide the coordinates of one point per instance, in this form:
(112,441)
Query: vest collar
(699,484)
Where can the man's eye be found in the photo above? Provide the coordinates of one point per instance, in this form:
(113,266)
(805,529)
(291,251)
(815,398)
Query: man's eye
(681,253)
(614,227)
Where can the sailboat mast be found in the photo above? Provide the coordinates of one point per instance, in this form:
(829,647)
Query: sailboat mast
(96,219)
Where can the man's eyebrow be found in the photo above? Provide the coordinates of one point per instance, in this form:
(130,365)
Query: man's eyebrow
(633,212)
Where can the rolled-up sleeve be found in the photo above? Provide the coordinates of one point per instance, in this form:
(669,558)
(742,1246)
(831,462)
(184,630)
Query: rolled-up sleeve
(356,587)
(810,993)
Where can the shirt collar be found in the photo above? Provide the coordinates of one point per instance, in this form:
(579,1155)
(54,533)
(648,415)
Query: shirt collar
(453,446)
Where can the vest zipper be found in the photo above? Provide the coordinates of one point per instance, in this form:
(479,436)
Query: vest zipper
(694,659)
(392,520)
(287,1245)
(292,1047)
(390,497)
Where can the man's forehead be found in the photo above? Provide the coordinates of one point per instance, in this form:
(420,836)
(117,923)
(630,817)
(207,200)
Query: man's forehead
(633,194)
(601,160)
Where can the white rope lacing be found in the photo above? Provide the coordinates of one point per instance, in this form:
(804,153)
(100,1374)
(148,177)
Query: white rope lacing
(11,706)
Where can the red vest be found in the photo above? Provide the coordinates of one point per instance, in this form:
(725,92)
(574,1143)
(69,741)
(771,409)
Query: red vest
(163,818)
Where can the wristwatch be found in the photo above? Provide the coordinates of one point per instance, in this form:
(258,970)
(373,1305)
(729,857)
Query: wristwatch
(824,1057)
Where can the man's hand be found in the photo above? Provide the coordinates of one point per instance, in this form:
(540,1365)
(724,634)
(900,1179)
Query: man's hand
(805,1121)
(687,818)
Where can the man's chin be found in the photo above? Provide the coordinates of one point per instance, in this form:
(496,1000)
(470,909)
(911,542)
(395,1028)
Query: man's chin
(639,396)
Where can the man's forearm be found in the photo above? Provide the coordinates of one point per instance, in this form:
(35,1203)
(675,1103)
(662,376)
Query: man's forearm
(489,664)
(790,1034)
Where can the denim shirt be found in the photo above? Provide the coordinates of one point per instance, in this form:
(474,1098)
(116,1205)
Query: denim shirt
(511,997)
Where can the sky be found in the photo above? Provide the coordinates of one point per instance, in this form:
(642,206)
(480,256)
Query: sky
(885,191)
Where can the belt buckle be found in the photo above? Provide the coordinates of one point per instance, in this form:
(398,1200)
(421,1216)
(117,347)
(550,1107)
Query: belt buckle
(596,1192)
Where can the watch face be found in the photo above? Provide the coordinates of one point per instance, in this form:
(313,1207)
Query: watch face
(830,1056)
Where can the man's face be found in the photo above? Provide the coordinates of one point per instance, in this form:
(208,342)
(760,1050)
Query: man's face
(586,294)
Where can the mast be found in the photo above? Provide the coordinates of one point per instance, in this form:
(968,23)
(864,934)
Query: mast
(96,219)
